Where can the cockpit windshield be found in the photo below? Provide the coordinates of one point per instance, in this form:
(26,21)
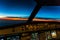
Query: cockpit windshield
(16,8)
(12,11)
(52,12)
(18,11)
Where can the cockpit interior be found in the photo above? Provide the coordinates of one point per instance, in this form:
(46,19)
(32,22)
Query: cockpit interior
(29,20)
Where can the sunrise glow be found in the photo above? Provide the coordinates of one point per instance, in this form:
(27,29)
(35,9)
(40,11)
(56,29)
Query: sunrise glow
(2,16)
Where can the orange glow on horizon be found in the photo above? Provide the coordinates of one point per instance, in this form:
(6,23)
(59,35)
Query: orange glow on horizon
(49,20)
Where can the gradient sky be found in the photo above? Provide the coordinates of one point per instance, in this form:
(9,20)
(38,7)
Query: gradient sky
(19,8)
(23,8)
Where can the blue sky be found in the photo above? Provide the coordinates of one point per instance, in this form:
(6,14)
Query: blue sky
(23,8)
(19,8)
(49,12)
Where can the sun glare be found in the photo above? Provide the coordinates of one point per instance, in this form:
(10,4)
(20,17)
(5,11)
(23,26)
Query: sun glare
(2,16)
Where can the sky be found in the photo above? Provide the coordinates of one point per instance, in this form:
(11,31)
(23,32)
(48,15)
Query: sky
(49,12)
(23,8)
(16,8)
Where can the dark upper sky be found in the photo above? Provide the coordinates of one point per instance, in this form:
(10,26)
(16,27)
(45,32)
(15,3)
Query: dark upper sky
(23,8)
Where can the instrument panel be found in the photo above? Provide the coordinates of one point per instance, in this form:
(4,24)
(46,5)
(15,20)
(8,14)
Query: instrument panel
(31,27)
